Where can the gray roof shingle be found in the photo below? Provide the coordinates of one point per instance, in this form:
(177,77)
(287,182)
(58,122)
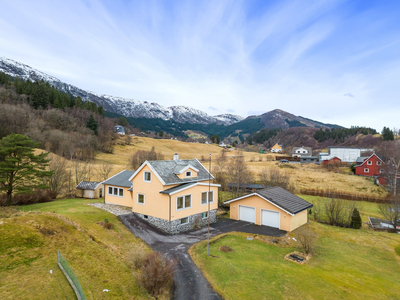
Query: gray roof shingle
(177,188)
(167,170)
(121,179)
(285,199)
(87,185)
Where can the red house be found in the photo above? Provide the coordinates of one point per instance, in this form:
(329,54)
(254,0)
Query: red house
(370,166)
(333,160)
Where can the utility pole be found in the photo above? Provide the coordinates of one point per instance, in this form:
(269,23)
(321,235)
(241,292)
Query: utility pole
(208,213)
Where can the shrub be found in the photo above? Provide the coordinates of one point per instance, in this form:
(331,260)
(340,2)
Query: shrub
(136,255)
(306,239)
(108,225)
(156,273)
(356,222)
(397,250)
(38,196)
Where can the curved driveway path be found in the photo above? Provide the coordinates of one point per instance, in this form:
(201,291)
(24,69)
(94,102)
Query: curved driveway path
(190,284)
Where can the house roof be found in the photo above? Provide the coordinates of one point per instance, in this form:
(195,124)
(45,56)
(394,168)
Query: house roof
(166,170)
(120,179)
(280,198)
(309,150)
(184,186)
(361,159)
(365,159)
(247,185)
(88,185)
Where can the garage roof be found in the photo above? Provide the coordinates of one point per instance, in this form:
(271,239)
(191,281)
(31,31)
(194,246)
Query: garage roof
(281,198)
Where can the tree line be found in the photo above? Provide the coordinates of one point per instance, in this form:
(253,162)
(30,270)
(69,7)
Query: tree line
(42,95)
(341,134)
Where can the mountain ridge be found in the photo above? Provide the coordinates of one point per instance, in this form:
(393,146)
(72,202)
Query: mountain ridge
(126,107)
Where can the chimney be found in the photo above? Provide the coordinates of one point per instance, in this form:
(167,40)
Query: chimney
(176,156)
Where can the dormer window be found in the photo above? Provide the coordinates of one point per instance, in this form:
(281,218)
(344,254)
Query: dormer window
(188,173)
(147,176)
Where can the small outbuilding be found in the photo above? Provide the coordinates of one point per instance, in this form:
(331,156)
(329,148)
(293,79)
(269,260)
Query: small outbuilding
(90,189)
(274,207)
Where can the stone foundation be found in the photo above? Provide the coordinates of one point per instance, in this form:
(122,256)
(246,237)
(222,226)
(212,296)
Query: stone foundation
(175,226)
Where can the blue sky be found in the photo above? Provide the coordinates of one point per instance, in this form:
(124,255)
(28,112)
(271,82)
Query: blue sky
(332,61)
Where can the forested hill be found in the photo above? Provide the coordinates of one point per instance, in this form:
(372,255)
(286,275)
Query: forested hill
(62,123)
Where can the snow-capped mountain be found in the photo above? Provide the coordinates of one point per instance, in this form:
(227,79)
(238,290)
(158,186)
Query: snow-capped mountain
(125,107)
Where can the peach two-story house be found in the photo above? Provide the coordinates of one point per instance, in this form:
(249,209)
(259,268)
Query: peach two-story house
(173,195)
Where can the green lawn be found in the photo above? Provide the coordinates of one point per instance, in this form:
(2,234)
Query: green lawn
(29,244)
(350,264)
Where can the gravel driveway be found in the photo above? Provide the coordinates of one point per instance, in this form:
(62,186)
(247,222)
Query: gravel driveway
(190,284)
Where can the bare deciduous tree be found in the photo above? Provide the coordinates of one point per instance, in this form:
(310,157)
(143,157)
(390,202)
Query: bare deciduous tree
(239,174)
(220,168)
(142,155)
(390,153)
(340,211)
(104,170)
(391,211)
(59,181)
(276,177)
(306,239)
(156,273)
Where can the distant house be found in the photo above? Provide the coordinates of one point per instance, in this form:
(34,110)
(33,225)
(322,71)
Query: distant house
(276,148)
(274,207)
(345,154)
(172,195)
(333,160)
(370,166)
(301,151)
(119,129)
(308,159)
(90,189)
(222,144)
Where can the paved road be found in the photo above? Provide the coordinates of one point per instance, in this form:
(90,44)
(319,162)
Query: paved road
(190,284)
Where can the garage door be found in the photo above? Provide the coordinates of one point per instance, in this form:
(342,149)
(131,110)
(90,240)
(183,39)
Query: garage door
(270,218)
(247,214)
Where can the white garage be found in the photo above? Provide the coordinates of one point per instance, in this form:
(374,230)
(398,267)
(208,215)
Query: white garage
(270,218)
(247,214)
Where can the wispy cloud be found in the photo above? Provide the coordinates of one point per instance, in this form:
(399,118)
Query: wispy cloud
(217,56)
(348,95)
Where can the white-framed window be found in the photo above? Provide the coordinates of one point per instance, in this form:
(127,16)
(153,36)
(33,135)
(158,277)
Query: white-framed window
(146,176)
(184,221)
(183,202)
(204,197)
(366,170)
(140,199)
(204,215)
(381,171)
(145,217)
(114,191)
(369,162)
(304,151)
(378,162)
(188,173)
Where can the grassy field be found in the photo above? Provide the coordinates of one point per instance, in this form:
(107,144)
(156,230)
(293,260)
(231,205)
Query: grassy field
(28,251)
(350,264)
(367,208)
(302,175)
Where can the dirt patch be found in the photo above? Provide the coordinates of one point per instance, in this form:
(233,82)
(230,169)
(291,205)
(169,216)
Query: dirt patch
(282,241)
(225,249)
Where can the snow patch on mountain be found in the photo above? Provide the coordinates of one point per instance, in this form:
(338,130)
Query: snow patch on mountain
(122,106)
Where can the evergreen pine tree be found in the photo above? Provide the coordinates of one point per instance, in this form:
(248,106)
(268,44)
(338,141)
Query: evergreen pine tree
(387,134)
(92,124)
(79,102)
(356,221)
